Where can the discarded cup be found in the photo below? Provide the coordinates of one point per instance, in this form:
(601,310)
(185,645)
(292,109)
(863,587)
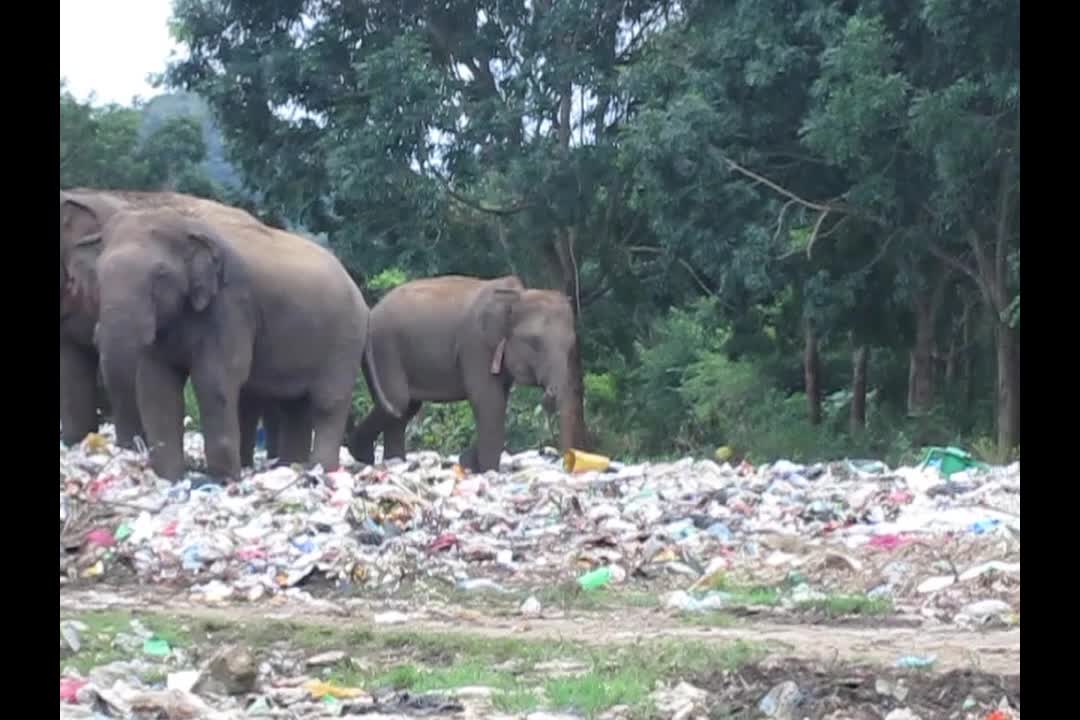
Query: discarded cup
(578,461)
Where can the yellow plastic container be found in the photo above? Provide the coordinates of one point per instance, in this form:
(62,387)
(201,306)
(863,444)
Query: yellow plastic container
(578,461)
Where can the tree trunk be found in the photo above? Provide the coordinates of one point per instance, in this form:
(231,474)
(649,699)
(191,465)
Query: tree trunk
(1008,388)
(921,361)
(967,364)
(858,390)
(927,307)
(811,373)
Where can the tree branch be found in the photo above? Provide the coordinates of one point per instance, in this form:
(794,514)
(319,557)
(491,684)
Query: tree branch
(823,208)
(649,250)
(937,252)
(880,253)
(475,204)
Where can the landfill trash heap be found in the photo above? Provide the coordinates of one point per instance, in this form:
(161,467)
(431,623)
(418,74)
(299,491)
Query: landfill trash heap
(941,549)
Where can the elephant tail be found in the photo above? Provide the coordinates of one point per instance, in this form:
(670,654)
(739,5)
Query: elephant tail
(373,375)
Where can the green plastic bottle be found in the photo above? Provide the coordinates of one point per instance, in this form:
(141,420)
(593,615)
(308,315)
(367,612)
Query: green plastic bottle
(595,579)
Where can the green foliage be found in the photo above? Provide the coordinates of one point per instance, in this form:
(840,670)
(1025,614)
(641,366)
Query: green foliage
(820,160)
(132,148)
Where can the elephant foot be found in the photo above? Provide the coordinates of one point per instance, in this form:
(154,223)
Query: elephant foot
(469,458)
(364,455)
(198,480)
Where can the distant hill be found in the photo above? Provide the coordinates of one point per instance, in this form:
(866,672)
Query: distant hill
(169,105)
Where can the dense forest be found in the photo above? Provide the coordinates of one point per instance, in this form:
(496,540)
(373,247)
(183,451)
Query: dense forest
(790,229)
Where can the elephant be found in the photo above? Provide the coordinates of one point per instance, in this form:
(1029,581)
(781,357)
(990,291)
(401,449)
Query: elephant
(81,386)
(454,337)
(248,312)
(84,211)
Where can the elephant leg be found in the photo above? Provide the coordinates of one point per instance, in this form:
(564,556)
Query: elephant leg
(250,410)
(394,432)
(294,431)
(78,392)
(160,393)
(488,401)
(219,411)
(328,421)
(365,433)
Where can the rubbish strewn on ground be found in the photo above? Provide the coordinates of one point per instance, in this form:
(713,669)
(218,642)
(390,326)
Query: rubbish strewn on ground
(934,543)
(941,549)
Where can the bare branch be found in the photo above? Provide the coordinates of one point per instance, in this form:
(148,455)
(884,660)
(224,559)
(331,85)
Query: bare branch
(649,250)
(770,184)
(475,204)
(814,233)
(880,253)
(780,219)
(940,254)
(697,278)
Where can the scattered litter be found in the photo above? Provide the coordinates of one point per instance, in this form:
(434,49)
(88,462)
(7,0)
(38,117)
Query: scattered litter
(915,661)
(782,701)
(531,607)
(699,534)
(320,690)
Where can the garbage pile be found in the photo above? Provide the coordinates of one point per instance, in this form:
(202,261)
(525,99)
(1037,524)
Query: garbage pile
(227,685)
(700,534)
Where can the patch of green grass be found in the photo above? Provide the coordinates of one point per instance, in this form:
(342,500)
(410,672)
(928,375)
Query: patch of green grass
(516,701)
(608,675)
(759,595)
(599,690)
(568,596)
(840,605)
(98,642)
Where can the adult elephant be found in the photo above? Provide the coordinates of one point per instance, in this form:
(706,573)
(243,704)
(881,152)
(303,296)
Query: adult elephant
(453,338)
(81,391)
(83,212)
(241,309)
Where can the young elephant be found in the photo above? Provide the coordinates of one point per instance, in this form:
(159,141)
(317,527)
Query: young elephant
(453,338)
(238,307)
(83,212)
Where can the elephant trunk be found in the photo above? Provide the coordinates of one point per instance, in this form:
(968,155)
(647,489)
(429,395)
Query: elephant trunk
(119,352)
(571,402)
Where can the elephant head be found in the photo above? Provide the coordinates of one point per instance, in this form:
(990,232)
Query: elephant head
(144,271)
(154,266)
(82,213)
(535,342)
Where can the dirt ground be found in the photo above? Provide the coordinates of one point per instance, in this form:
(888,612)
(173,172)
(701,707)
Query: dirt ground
(992,651)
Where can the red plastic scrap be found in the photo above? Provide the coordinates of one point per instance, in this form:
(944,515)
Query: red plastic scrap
(444,542)
(998,715)
(104,538)
(170,529)
(901,497)
(99,485)
(889,542)
(70,687)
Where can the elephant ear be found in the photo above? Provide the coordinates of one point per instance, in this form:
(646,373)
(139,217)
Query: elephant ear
(205,266)
(80,263)
(87,213)
(495,322)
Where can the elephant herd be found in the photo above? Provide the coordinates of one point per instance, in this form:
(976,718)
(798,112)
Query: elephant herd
(159,288)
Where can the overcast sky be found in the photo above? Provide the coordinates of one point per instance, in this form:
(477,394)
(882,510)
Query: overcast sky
(109,46)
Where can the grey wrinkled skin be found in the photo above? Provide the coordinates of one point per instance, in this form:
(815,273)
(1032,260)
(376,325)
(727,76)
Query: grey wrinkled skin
(83,213)
(250,313)
(438,340)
